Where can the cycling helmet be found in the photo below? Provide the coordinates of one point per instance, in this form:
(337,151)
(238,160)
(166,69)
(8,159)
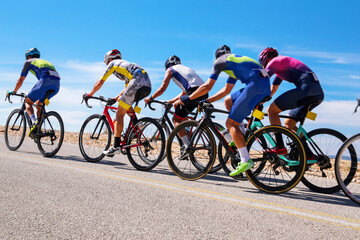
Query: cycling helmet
(113,54)
(221,51)
(266,55)
(32,52)
(171,61)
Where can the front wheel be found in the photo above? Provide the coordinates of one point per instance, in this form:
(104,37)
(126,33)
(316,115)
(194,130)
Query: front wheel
(321,148)
(15,130)
(94,138)
(347,167)
(195,161)
(279,172)
(50,135)
(145,144)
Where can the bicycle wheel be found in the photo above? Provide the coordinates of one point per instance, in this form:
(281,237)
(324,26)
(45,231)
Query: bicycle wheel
(199,159)
(94,138)
(15,129)
(50,135)
(146,144)
(347,168)
(216,166)
(279,173)
(324,143)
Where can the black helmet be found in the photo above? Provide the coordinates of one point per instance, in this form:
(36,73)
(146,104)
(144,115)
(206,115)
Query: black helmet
(221,51)
(32,52)
(171,61)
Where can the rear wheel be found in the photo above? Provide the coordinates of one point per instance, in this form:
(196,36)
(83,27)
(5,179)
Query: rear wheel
(50,135)
(146,144)
(94,138)
(200,157)
(279,172)
(15,129)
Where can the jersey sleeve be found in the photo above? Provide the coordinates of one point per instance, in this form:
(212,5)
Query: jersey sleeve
(108,71)
(231,80)
(277,81)
(26,68)
(218,67)
(273,66)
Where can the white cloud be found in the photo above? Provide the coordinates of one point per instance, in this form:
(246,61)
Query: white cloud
(354,77)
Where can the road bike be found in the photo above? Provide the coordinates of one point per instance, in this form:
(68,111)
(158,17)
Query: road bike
(168,126)
(347,166)
(48,136)
(143,141)
(321,146)
(278,172)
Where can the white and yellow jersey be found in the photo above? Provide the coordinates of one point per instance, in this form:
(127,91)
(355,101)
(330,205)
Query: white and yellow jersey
(122,69)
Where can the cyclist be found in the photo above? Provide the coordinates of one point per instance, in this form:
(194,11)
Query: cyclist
(239,103)
(137,83)
(308,90)
(48,79)
(187,79)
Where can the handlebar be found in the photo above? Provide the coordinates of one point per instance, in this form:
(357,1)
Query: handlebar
(166,104)
(23,95)
(101,98)
(358,104)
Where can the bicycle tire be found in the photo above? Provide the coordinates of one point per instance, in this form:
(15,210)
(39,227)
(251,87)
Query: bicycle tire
(342,163)
(11,134)
(47,134)
(192,167)
(92,148)
(151,136)
(217,165)
(320,176)
(276,166)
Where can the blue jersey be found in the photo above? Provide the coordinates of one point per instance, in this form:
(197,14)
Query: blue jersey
(238,68)
(39,68)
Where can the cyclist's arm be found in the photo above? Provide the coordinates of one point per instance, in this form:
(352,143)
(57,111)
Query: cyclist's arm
(97,87)
(274,88)
(164,85)
(177,97)
(203,89)
(19,83)
(221,93)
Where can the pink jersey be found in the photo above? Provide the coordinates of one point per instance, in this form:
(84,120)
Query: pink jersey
(286,68)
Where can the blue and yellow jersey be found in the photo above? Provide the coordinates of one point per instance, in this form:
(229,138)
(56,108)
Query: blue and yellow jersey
(39,68)
(122,69)
(237,67)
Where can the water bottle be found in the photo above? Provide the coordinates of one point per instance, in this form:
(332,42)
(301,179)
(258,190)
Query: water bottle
(227,137)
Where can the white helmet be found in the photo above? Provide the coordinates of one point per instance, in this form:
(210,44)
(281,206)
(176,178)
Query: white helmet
(113,54)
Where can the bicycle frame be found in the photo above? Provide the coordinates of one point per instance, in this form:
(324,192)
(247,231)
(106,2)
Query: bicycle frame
(111,123)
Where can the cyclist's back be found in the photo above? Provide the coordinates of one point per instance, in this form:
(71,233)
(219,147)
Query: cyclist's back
(185,77)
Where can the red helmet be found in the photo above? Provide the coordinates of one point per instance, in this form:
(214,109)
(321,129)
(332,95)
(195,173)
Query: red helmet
(266,55)
(113,54)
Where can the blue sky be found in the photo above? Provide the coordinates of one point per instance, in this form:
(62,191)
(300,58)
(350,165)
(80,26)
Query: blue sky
(75,35)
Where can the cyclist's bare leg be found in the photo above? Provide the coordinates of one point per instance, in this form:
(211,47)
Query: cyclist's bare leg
(38,108)
(273,112)
(228,103)
(29,106)
(291,124)
(177,120)
(235,133)
(119,123)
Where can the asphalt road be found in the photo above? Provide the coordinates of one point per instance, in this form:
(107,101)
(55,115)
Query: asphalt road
(65,197)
